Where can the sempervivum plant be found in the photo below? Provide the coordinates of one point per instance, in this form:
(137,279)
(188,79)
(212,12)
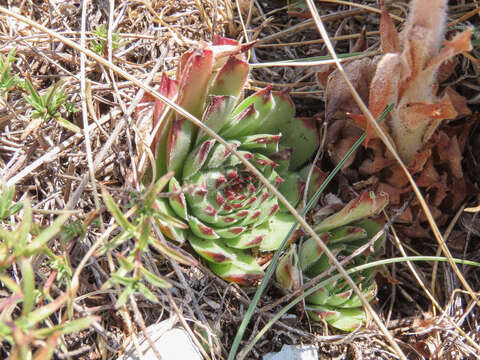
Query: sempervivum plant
(220,207)
(344,233)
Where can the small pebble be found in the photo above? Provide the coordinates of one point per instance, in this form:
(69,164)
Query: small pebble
(294,352)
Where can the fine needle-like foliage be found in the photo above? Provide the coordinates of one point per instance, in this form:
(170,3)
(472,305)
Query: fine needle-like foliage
(27,307)
(100,40)
(230,215)
(132,275)
(7,79)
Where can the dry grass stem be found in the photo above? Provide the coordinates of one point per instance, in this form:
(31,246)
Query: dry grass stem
(79,160)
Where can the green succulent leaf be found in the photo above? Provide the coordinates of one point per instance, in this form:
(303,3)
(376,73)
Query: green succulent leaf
(288,272)
(192,94)
(213,251)
(277,226)
(249,115)
(313,178)
(244,270)
(345,319)
(231,78)
(292,188)
(302,137)
(311,254)
(365,205)
(344,232)
(216,114)
(229,213)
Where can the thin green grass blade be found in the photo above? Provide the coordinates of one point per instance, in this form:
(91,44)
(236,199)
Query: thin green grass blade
(51,94)
(67,125)
(35,99)
(68,327)
(116,212)
(28,282)
(273,264)
(5,199)
(46,235)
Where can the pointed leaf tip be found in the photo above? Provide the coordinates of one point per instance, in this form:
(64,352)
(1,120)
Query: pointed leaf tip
(220,40)
(366,204)
(288,273)
(231,78)
(390,42)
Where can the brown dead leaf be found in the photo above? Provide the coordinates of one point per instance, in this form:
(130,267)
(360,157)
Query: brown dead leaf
(377,160)
(459,192)
(360,72)
(439,216)
(459,102)
(461,42)
(440,190)
(407,76)
(457,240)
(448,151)
(397,177)
(414,114)
(446,70)
(323,73)
(338,150)
(428,176)
(394,193)
(407,217)
(390,42)
(334,132)
(462,130)
(419,161)
(361,43)
(341,136)
(455,160)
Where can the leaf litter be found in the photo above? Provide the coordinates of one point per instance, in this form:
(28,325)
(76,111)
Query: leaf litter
(166,29)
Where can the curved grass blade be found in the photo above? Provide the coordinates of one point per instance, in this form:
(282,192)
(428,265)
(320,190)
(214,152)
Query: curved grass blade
(205,128)
(385,139)
(338,277)
(273,264)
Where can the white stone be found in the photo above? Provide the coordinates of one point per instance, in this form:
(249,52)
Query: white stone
(294,352)
(171,343)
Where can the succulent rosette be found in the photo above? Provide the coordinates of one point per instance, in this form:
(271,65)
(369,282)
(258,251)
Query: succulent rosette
(228,215)
(344,233)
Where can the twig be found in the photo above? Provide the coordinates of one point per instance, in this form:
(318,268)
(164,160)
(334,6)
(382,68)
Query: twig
(385,139)
(308,24)
(141,323)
